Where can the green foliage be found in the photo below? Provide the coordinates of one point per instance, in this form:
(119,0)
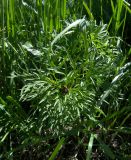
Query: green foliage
(58,147)
(90,145)
(64,73)
(68,85)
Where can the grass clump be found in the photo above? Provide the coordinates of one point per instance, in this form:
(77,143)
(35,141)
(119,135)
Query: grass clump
(74,77)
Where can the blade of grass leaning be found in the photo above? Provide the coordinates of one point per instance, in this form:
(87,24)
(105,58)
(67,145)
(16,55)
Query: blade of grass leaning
(64,9)
(115,21)
(2,102)
(6,134)
(101,8)
(2,57)
(124,22)
(112,6)
(8,18)
(125,130)
(116,114)
(3,30)
(127,7)
(19,109)
(12,16)
(88,10)
(2,107)
(4,137)
(105,148)
(118,14)
(45,18)
(61,34)
(58,147)
(126,3)
(90,145)
(124,120)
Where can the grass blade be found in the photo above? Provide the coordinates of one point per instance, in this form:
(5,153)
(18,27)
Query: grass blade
(74,24)
(88,11)
(58,147)
(105,148)
(90,145)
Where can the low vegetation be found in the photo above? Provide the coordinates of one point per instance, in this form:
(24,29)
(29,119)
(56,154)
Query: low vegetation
(65,80)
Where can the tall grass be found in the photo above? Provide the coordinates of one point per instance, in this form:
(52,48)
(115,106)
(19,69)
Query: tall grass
(64,75)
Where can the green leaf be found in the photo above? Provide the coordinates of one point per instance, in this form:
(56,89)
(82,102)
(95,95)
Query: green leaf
(105,148)
(58,147)
(72,25)
(90,145)
(88,10)
(4,137)
(125,130)
(2,102)
(28,46)
(2,107)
